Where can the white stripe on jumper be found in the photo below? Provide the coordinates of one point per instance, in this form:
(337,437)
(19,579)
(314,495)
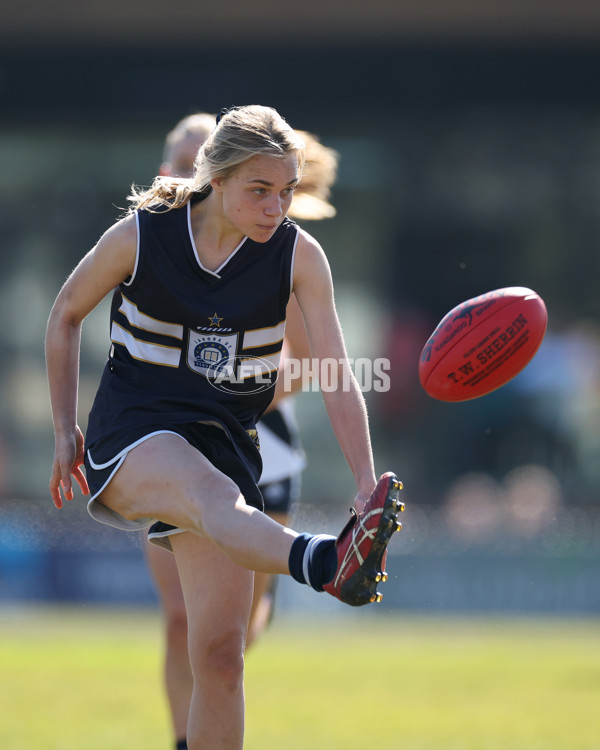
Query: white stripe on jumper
(146,323)
(264,336)
(143,350)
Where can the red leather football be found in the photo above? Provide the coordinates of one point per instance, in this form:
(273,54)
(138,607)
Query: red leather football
(482,343)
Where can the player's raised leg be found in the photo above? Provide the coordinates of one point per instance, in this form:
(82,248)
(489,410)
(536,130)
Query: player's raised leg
(182,488)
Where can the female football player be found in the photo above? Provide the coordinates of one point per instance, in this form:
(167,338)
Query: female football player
(203,270)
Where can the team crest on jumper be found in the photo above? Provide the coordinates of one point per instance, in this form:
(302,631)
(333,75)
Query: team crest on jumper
(212,354)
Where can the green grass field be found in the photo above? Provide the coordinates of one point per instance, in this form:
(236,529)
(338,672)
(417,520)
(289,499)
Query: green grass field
(90,680)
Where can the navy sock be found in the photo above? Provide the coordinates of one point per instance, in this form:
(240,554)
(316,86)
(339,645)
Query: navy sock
(313,559)
(181,744)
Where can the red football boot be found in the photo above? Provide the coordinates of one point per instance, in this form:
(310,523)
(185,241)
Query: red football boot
(362,545)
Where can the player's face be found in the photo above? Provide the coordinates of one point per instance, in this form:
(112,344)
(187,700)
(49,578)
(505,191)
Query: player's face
(257,197)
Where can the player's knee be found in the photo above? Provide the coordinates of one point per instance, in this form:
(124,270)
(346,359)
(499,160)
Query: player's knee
(214,518)
(221,659)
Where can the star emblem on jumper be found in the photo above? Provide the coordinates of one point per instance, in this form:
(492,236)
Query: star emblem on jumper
(215,320)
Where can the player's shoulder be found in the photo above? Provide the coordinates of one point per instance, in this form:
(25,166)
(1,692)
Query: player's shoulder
(118,244)
(124,229)
(308,245)
(309,253)
(311,263)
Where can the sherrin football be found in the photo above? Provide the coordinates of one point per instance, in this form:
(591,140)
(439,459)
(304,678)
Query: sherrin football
(482,343)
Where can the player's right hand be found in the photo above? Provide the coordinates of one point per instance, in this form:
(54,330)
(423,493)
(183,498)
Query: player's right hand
(68,459)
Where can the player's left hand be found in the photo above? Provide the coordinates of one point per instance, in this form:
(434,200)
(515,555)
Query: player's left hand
(360,501)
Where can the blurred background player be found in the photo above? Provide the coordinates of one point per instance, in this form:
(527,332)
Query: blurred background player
(281,451)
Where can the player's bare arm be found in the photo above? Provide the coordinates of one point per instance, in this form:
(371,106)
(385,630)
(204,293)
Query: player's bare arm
(109,263)
(345,405)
